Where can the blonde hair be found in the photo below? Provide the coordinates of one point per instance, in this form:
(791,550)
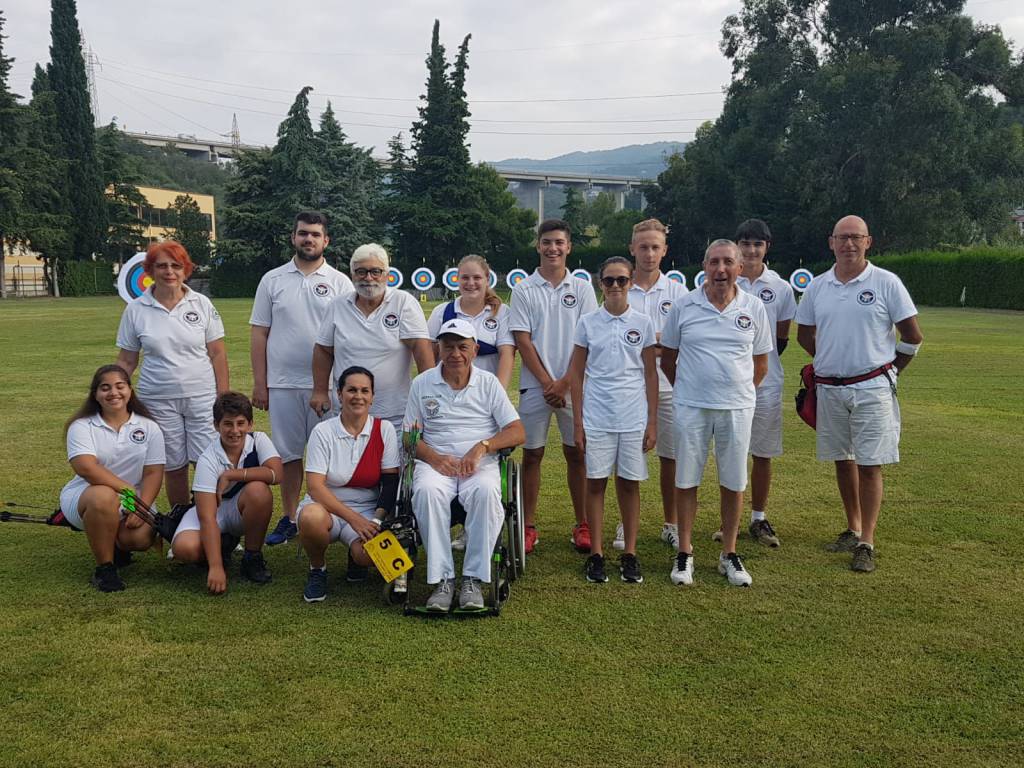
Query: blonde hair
(491,299)
(649,225)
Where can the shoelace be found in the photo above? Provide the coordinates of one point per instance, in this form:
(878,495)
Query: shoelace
(681,558)
(467,585)
(737,564)
(765,526)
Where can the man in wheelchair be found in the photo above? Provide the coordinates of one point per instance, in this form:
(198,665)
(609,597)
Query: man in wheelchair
(466,418)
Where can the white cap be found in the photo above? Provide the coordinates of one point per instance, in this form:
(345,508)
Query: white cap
(457,328)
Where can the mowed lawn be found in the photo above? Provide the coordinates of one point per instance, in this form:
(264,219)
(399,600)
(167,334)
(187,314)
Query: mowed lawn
(920,663)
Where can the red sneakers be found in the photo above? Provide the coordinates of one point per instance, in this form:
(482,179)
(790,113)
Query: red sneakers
(581,536)
(531,538)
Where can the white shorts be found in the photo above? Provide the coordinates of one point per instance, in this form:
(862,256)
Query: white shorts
(766,429)
(229,519)
(696,428)
(618,452)
(69,500)
(536,417)
(666,445)
(187,424)
(340,530)
(861,425)
(292,420)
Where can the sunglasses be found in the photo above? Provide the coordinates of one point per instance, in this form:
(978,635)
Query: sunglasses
(622,281)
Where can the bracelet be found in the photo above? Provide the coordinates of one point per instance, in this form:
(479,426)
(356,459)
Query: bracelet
(904,348)
(273,477)
(244,473)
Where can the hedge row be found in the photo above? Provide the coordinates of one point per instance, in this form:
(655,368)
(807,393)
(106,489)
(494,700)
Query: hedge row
(86,278)
(992,278)
(233,280)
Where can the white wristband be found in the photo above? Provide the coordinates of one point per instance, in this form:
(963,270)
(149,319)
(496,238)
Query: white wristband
(904,348)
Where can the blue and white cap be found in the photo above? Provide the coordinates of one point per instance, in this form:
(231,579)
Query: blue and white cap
(457,328)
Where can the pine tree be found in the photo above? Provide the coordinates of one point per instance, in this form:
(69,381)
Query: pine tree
(191,227)
(10,142)
(123,201)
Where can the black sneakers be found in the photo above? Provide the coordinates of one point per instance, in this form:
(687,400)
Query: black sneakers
(593,568)
(629,569)
(254,568)
(106,579)
(227,547)
(122,557)
(355,573)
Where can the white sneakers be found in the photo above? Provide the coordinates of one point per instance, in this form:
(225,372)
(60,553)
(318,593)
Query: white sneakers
(670,535)
(729,566)
(682,569)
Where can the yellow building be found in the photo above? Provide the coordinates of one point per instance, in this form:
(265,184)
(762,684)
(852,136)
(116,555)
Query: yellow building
(154,213)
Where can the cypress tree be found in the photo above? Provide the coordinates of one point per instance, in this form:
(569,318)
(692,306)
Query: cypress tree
(10,188)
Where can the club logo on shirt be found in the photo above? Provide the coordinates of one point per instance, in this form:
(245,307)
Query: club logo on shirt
(569,300)
(866,297)
(192,317)
(666,307)
(744,322)
(491,324)
(431,407)
(390,321)
(137,436)
(633,337)
(767,295)
(321,289)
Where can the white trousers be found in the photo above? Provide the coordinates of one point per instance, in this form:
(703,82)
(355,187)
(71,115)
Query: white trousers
(432,494)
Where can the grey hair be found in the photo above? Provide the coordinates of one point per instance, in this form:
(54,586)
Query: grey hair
(722,243)
(368,252)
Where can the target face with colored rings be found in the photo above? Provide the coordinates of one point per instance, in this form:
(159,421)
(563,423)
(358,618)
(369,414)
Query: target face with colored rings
(395,278)
(492,279)
(132,280)
(450,278)
(582,274)
(801,279)
(699,279)
(423,278)
(515,277)
(676,276)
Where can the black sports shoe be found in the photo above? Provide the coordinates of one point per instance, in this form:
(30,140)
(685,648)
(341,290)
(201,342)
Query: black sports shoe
(629,569)
(228,543)
(122,557)
(355,573)
(106,579)
(254,568)
(593,568)
(316,586)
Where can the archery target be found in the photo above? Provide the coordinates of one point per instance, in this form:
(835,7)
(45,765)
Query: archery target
(450,278)
(699,279)
(515,276)
(492,279)
(801,279)
(423,278)
(582,274)
(395,278)
(676,276)
(132,280)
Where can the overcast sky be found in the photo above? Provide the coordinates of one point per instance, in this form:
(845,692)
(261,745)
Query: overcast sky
(188,66)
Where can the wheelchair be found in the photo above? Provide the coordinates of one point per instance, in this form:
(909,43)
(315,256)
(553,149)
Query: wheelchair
(508,561)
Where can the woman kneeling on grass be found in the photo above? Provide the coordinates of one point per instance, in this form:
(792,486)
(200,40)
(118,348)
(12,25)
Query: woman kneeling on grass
(113,444)
(615,411)
(352,477)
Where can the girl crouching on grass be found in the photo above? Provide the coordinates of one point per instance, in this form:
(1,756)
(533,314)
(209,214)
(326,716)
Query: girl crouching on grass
(614,410)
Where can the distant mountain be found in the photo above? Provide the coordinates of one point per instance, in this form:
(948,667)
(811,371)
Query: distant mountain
(635,160)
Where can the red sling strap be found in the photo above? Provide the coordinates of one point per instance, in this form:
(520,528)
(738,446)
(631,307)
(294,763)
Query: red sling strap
(367,471)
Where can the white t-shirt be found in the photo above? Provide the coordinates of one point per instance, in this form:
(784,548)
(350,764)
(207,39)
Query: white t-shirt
(334,453)
(375,342)
(173,344)
(777,297)
(550,313)
(454,420)
(490,330)
(292,305)
(125,452)
(656,303)
(715,367)
(213,461)
(614,395)
(855,322)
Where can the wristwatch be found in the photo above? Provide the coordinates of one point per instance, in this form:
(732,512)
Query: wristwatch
(487,445)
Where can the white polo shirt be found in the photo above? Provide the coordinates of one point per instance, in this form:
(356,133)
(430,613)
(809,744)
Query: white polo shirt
(125,452)
(614,396)
(334,453)
(375,342)
(656,303)
(490,330)
(213,461)
(550,313)
(855,322)
(715,367)
(173,344)
(292,305)
(454,420)
(776,294)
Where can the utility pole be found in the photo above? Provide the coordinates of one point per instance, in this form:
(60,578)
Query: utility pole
(236,137)
(91,60)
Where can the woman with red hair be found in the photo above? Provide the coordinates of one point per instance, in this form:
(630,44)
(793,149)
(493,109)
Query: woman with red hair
(184,364)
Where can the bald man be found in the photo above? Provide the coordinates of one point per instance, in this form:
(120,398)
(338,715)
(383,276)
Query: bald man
(848,322)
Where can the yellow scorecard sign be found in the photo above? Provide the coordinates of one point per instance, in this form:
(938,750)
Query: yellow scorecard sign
(388,555)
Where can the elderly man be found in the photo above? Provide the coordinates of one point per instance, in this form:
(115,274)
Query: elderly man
(715,347)
(847,320)
(291,301)
(379,328)
(466,418)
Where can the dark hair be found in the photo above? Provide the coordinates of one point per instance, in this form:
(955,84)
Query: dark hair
(753,229)
(614,260)
(91,405)
(231,404)
(554,225)
(352,370)
(310,217)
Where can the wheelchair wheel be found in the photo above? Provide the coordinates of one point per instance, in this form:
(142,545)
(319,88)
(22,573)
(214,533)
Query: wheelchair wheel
(517,501)
(499,580)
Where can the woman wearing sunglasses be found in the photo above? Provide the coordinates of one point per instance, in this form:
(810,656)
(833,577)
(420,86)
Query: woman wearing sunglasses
(614,411)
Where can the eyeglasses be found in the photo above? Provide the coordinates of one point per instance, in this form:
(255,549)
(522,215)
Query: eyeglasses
(849,238)
(622,281)
(372,272)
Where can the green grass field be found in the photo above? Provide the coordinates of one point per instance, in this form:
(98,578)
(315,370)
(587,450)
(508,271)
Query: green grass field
(918,664)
